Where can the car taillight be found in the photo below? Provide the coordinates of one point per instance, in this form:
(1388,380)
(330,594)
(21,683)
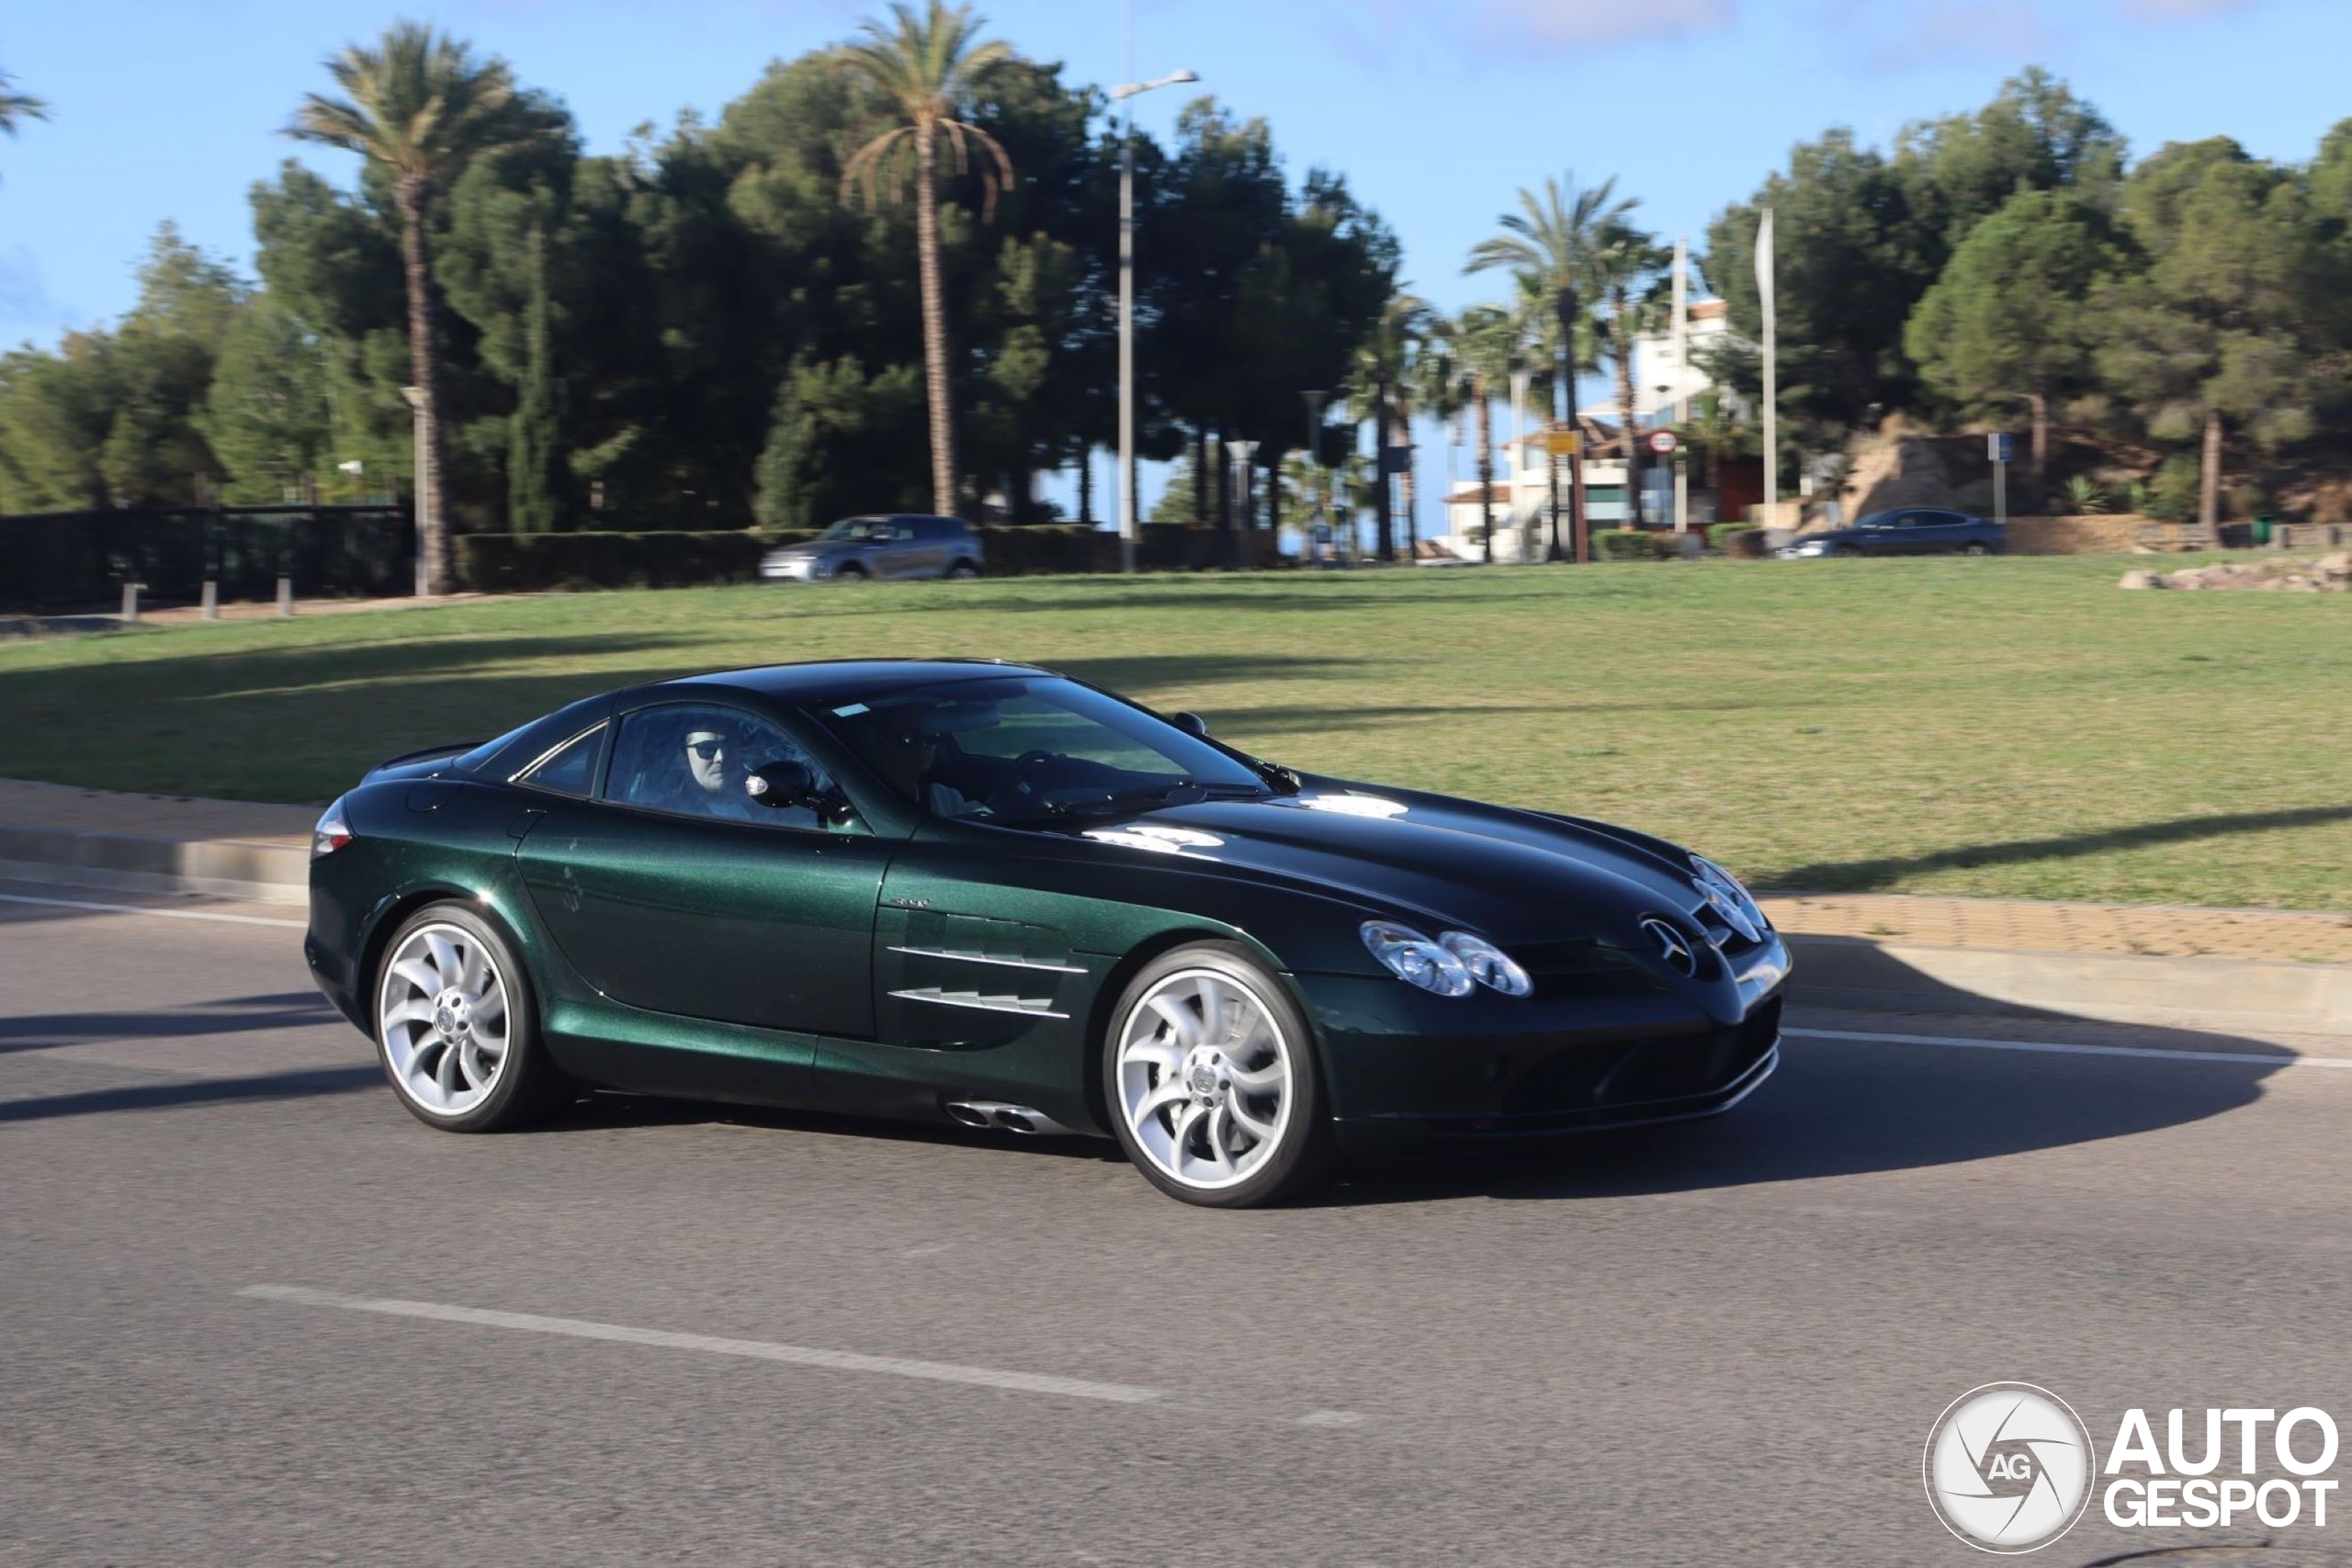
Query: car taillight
(332,833)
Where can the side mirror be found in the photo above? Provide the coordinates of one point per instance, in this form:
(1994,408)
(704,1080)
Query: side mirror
(784,785)
(1191,724)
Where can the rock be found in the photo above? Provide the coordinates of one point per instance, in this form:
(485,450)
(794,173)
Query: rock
(2140,580)
(2337,566)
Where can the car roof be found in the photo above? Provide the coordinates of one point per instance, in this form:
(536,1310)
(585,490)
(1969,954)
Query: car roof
(832,680)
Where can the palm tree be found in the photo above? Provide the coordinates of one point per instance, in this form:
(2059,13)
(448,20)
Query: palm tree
(1438,384)
(16,105)
(1548,245)
(1624,261)
(925,67)
(1486,337)
(420,104)
(1378,389)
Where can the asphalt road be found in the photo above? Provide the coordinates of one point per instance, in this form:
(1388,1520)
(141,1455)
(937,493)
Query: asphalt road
(250,1311)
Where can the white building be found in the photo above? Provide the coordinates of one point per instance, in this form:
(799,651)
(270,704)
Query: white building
(1660,379)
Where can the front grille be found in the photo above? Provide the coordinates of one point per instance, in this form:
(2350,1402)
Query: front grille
(1633,1072)
(1582,969)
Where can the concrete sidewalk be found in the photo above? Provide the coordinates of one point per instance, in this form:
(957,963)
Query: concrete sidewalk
(2200,968)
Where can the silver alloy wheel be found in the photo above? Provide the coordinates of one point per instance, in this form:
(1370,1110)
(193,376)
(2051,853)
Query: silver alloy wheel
(1205,1078)
(442,1013)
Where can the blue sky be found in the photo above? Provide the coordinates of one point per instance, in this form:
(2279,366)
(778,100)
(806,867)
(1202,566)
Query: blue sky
(1436,111)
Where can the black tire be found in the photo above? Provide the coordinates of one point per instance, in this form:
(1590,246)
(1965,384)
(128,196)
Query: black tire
(527,1085)
(963,569)
(1974,550)
(1302,1152)
(851,572)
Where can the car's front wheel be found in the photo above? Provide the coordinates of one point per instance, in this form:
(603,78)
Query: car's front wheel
(1973,550)
(1212,1083)
(455,1026)
(963,569)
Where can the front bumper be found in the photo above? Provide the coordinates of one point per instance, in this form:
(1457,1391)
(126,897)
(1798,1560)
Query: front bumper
(792,569)
(1410,1072)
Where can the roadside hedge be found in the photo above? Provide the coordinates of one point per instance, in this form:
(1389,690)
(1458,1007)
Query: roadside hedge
(61,560)
(1623,544)
(1719,533)
(509,563)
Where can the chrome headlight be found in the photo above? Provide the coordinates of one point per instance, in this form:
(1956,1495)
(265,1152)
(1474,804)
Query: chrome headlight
(1453,965)
(1810,547)
(1416,960)
(1489,966)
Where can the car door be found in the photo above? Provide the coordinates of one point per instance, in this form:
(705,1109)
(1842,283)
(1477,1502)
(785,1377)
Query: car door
(673,897)
(934,537)
(1940,533)
(898,554)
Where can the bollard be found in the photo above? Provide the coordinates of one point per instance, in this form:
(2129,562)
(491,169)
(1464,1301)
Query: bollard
(285,598)
(130,602)
(212,601)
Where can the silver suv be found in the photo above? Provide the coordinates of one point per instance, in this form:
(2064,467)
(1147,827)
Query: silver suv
(898,545)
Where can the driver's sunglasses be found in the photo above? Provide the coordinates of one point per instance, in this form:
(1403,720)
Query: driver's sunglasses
(709,751)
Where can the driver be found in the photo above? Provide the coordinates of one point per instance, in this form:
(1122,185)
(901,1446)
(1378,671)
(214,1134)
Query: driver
(715,775)
(903,747)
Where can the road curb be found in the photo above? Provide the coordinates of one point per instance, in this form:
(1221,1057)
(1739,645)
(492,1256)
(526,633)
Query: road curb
(226,868)
(2189,993)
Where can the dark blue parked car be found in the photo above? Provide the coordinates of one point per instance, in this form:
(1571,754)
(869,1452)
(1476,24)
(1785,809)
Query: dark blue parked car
(1905,531)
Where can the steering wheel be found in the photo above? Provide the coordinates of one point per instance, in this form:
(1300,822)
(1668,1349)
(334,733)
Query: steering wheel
(1022,779)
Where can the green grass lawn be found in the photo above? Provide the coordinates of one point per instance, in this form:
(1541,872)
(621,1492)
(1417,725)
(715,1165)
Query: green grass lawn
(2010,726)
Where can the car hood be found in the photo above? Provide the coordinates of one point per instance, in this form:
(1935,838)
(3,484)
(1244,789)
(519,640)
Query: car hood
(1510,875)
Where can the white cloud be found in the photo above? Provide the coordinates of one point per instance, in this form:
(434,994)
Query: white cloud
(1602,24)
(1925,35)
(2183,11)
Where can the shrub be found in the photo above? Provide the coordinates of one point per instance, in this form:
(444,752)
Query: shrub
(1719,535)
(2085,497)
(1622,544)
(65,559)
(1746,544)
(2173,496)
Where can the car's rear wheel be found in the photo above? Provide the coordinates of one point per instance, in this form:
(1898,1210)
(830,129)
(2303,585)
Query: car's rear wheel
(455,1025)
(1972,550)
(963,568)
(1212,1083)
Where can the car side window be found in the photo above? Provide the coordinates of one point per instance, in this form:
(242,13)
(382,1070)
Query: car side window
(570,769)
(696,759)
(937,530)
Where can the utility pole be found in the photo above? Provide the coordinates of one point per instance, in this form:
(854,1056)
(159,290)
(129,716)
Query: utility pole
(1681,380)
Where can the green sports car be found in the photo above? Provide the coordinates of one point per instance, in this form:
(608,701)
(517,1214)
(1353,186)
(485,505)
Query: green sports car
(990,894)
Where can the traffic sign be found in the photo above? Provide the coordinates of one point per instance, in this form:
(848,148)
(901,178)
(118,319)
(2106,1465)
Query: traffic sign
(1664,442)
(1997,447)
(1562,443)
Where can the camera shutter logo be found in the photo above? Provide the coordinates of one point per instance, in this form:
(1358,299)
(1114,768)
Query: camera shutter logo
(2008,1467)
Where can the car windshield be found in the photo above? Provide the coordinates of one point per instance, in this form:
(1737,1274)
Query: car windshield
(861,528)
(1028,749)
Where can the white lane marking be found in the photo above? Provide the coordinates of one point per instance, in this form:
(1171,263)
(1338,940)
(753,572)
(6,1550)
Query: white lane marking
(143,910)
(2057,1048)
(758,1350)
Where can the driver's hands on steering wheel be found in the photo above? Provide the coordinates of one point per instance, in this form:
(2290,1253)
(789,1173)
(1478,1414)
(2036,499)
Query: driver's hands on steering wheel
(1022,783)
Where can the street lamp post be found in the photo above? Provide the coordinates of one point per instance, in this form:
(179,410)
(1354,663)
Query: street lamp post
(1126,93)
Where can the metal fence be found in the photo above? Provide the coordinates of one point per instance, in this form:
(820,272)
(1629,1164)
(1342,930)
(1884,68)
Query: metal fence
(64,560)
